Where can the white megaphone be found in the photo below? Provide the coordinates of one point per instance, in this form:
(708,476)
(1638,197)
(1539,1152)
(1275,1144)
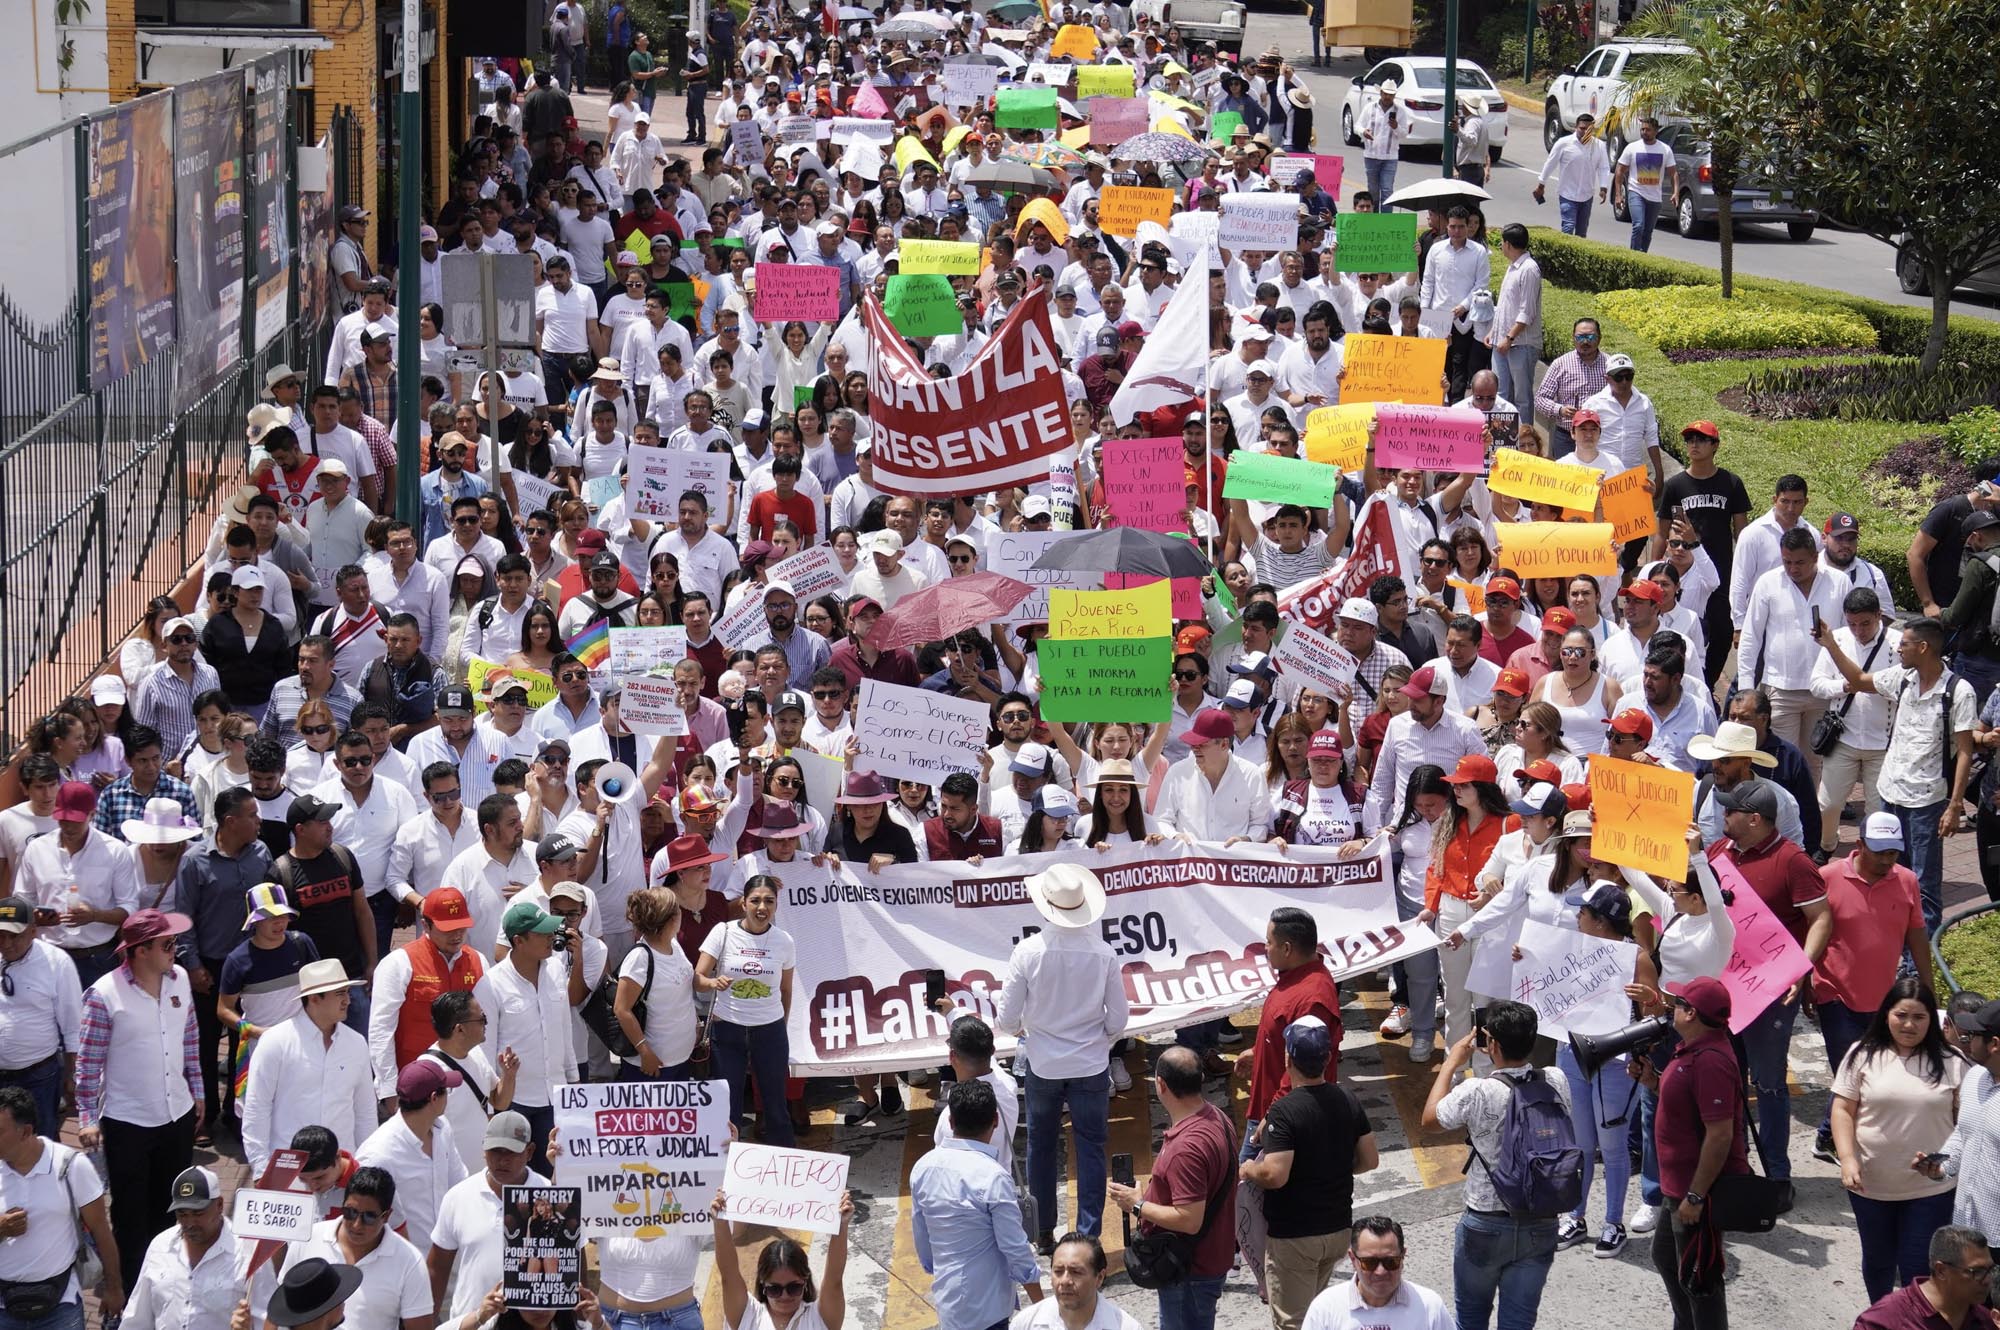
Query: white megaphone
(618,783)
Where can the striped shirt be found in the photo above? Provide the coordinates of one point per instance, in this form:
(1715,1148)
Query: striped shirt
(166,702)
(96,1046)
(288,697)
(381,444)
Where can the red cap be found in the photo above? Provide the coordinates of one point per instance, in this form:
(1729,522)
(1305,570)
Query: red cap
(1631,721)
(1578,796)
(1645,589)
(590,540)
(1424,683)
(1474,767)
(1558,620)
(861,605)
(1211,726)
(1325,743)
(1514,683)
(1708,997)
(1583,418)
(446,907)
(1542,771)
(1705,428)
(1503,586)
(76,801)
(1191,638)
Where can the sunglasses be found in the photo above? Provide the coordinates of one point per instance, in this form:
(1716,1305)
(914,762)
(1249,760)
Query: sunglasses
(573,676)
(1679,545)
(785,782)
(792,1289)
(1436,563)
(1574,653)
(1374,1263)
(445,796)
(181,640)
(365,1218)
(472,520)
(357,763)
(315,729)
(1187,676)
(1586,337)
(828,694)
(1016,715)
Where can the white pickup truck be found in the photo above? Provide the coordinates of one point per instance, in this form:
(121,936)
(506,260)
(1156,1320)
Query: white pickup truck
(1599,84)
(1216,21)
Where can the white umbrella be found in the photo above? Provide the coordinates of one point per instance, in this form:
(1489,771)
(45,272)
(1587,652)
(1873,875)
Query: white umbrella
(855,14)
(1438,192)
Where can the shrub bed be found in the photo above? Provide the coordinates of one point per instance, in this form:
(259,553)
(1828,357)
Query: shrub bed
(1697,317)
(1972,949)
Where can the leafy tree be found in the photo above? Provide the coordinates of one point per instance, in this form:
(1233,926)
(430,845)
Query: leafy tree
(1879,111)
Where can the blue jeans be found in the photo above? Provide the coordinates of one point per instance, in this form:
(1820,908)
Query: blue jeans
(1649,1159)
(687,1316)
(1603,1109)
(383,906)
(762,1051)
(1516,371)
(1089,1101)
(1895,1238)
(358,1003)
(43,1081)
(1381,179)
(1841,1026)
(1766,1043)
(1645,216)
(1503,1256)
(1923,854)
(1190,1304)
(1575,216)
(69,1316)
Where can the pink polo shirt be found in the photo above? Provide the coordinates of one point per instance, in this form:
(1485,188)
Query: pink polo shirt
(1870,921)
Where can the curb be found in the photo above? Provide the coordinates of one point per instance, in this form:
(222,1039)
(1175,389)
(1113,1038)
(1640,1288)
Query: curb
(1522,103)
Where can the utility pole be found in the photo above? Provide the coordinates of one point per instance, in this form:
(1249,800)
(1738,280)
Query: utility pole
(409,263)
(1448,142)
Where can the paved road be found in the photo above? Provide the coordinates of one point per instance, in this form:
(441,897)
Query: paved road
(1850,262)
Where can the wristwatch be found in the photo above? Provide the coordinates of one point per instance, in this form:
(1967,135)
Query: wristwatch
(1696,1197)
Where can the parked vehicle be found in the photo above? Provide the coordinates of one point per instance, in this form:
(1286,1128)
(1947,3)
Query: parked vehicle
(1216,21)
(1599,84)
(1694,207)
(1911,276)
(1421,98)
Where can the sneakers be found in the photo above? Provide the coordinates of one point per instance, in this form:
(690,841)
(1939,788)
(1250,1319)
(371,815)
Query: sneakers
(1569,1232)
(1823,1148)
(1420,1048)
(1121,1079)
(1647,1219)
(1437,1011)
(1610,1242)
(1230,1036)
(1396,1025)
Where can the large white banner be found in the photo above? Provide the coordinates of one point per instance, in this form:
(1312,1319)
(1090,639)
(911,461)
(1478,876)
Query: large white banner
(1186,919)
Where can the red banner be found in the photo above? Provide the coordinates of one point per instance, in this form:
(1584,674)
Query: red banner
(1316,603)
(996,424)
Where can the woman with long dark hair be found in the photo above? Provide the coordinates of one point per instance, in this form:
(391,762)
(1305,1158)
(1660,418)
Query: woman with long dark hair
(1581,693)
(541,639)
(496,519)
(786,1297)
(1117,814)
(1466,835)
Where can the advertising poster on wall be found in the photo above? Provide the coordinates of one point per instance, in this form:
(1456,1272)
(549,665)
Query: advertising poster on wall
(131,213)
(208,223)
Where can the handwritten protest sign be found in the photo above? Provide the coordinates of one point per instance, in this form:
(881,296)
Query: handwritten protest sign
(1025,108)
(650,707)
(1186,591)
(1628,504)
(1121,208)
(282,1216)
(1475,596)
(847,128)
(1432,438)
(647,1155)
(541,688)
(1104,81)
(794,130)
(1121,679)
(1326,170)
(746,141)
(950,257)
(534,492)
(1382,368)
(1143,483)
(1557,549)
(1339,434)
(923,306)
(1315,659)
(1641,813)
(914,734)
(1134,612)
(1538,480)
(1767,959)
(1276,479)
(1076,41)
(1375,242)
(1050,74)
(1115,119)
(655,479)
(783,1187)
(744,621)
(1015,557)
(810,573)
(1575,983)
(1491,973)
(637,651)
(867,101)
(600,490)
(1199,229)
(787,291)
(542,1267)
(1224,126)
(1260,221)
(969,85)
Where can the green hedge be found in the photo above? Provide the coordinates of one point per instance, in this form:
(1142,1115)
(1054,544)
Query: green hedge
(1591,265)
(1679,318)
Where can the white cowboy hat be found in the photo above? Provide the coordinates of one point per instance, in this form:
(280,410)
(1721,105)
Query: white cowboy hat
(1068,895)
(163,823)
(324,977)
(1731,739)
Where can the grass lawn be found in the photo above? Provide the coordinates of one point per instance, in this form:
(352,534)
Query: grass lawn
(1973,951)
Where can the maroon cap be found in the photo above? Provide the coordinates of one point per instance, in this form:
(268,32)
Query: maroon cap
(141,928)
(422,1080)
(1707,996)
(590,540)
(1129,328)
(76,801)
(1211,726)
(1424,683)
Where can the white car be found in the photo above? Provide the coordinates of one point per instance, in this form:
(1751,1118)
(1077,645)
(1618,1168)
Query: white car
(1598,84)
(1420,98)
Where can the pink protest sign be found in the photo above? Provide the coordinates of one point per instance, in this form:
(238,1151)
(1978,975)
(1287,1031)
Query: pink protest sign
(1767,959)
(797,291)
(1145,483)
(1186,591)
(1432,438)
(868,103)
(1326,170)
(1115,119)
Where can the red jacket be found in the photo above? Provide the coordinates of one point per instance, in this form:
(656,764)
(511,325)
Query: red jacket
(1305,990)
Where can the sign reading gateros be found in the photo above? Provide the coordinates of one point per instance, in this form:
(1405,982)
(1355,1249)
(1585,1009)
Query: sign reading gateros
(994,425)
(647,1155)
(784,1187)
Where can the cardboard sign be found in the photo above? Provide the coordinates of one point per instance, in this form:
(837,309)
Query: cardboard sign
(1766,961)
(923,306)
(744,623)
(1575,983)
(1316,659)
(951,257)
(1120,208)
(1224,126)
(784,1188)
(1475,596)
(787,291)
(282,1216)
(1077,42)
(655,479)
(1557,549)
(646,1155)
(542,1268)
(1259,221)
(1338,435)
(810,573)
(1135,612)
(1122,679)
(1115,119)
(534,493)
(1538,480)
(1015,557)
(541,688)
(1431,438)
(1327,171)
(796,130)
(1025,108)
(915,734)
(1628,504)
(1640,814)
(601,490)
(1375,242)
(1199,229)
(1104,81)
(969,85)
(746,141)
(1186,591)
(1276,479)
(1049,74)
(847,128)
(642,651)
(650,707)
(1144,483)
(1384,368)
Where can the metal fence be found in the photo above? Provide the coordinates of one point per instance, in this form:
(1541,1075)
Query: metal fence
(108,493)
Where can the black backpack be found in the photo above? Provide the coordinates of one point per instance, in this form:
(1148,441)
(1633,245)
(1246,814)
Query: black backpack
(599,1010)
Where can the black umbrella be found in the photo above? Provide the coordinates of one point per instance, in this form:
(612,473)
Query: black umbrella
(1126,549)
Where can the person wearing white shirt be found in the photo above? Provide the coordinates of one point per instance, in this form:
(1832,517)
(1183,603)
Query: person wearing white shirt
(1864,734)
(970,1045)
(1777,650)
(336,522)
(344,350)
(1452,272)
(1631,428)
(395,1287)
(1309,373)
(1382,126)
(1065,990)
(1468,676)
(1517,316)
(402,585)
(1582,172)
(188,1278)
(1430,732)
(1378,1297)
(565,321)
(1076,1280)
(704,556)
(86,877)
(637,157)
(482,1091)
(1679,714)
(469,1239)
(1213,794)
(1757,546)
(311,1070)
(369,810)
(527,1006)
(329,439)
(427,844)
(417,1146)
(1840,553)
(43,1029)
(1623,653)
(491,872)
